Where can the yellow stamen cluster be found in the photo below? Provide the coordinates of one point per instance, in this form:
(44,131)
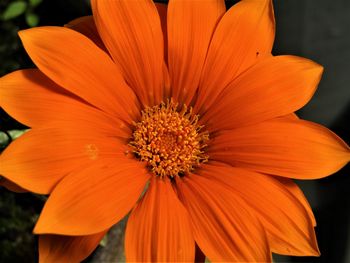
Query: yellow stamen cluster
(169,139)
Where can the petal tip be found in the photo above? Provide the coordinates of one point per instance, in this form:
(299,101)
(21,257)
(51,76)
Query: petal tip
(319,69)
(21,32)
(25,32)
(315,252)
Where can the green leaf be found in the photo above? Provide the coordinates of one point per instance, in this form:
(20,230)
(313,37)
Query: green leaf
(16,133)
(14,9)
(32,19)
(104,241)
(34,2)
(4,139)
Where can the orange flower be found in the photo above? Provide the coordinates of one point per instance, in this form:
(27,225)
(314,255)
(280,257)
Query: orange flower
(189,107)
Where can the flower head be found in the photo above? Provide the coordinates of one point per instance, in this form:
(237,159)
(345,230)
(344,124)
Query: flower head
(169,140)
(177,114)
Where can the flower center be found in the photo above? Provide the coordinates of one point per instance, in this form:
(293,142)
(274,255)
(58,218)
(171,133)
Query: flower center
(169,140)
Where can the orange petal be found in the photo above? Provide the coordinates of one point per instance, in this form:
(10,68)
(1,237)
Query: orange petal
(75,63)
(190,27)
(55,248)
(132,33)
(86,26)
(286,221)
(93,199)
(167,87)
(274,87)
(224,228)
(158,229)
(292,116)
(298,193)
(33,99)
(244,34)
(163,13)
(41,157)
(288,148)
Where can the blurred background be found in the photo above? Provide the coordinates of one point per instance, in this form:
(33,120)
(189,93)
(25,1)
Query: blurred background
(316,29)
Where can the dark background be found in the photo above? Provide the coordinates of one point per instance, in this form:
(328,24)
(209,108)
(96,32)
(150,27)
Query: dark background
(316,29)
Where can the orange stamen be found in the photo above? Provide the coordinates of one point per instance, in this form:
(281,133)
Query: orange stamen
(169,139)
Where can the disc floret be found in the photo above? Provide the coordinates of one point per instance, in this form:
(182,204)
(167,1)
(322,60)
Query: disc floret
(169,139)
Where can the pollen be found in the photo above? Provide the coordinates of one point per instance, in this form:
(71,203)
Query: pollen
(169,139)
